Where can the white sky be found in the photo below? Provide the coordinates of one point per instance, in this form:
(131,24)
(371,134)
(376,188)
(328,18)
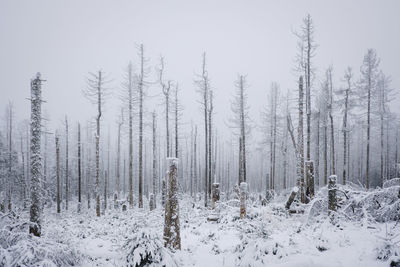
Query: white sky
(64,40)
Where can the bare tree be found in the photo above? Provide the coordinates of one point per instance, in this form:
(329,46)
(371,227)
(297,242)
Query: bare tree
(154,160)
(300,142)
(369,73)
(299,145)
(79,169)
(203,84)
(58,173)
(383,99)
(165,87)
(36,161)
(240,118)
(96,93)
(210,159)
(128,86)
(10,162)
(66,164)
(120,123)
(330,112)
(141,87)
(347,103)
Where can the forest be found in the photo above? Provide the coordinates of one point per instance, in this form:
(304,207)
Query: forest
(313,181)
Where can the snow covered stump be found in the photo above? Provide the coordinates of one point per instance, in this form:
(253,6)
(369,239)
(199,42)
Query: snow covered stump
(171,227)
(243,196)
(332,201)
(151,202)
(215,194)
(292,197)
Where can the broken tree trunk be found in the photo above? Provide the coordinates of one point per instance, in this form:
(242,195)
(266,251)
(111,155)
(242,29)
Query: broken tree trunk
(292,197)
(215,194)
(243,196)
(151,202)
(332,201)
(171,228)
(309,180)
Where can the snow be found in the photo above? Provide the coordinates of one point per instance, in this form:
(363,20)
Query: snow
(267,236)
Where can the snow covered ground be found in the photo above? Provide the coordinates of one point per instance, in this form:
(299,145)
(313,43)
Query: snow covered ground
(268,236)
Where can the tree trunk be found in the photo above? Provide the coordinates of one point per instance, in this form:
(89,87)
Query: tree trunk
(97,189)
(36,163)
(332,201)
(58,173)
(243,196)
(79,169)
(141,81)
(210,142)
(66,164)
(130,156)
(317,149)
(172,227)
(215,194)
(300,143)
(154,161)
(291,197)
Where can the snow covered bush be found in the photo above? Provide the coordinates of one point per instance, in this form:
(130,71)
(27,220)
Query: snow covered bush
(145,248)
(391,182)
(19,248)
(382,205)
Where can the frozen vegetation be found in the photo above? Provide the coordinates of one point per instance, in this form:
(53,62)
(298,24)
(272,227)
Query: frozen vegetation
(200,134)
(363,232)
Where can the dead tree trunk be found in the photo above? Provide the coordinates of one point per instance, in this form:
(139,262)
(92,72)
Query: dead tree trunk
(316,172)
(121,120)
(66,164)
(36,161)
(79,168)
(58,173)
(141,95)
(195,162)
(154,161)
(10,160)
(215,194)
(300,142)
(291,197)
(332,201)
(210,141)
(330,107)
(348,77)
(243,196)
(172,227)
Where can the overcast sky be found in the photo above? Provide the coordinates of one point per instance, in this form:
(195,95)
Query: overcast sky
(65,40)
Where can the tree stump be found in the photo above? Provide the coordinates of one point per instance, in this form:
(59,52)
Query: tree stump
(115,201)
(292,196)
(215,194)
(243,196)
(171,227)
(152,202)
(332,201)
